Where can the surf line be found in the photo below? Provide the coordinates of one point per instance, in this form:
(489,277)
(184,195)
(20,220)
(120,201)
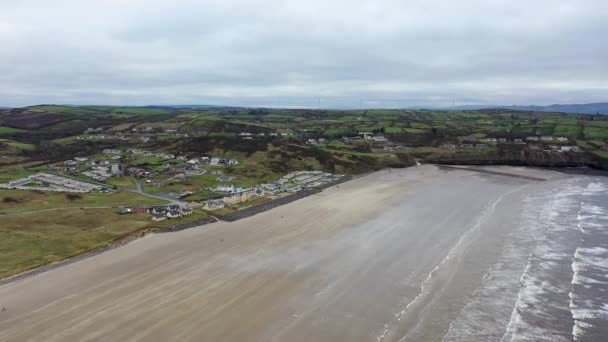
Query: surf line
(511,328)
(480,218)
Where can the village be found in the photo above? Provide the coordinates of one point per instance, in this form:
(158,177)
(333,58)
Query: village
(96,173)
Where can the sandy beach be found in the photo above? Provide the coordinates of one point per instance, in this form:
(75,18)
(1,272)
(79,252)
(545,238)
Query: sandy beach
(396,255)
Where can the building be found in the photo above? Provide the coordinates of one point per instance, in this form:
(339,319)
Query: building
(241,196)
(224,188)
(213,204)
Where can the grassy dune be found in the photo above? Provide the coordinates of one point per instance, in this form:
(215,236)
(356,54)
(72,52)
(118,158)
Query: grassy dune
(21,200)
(34,239)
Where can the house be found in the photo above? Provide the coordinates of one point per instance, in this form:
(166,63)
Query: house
(159,217)
(214,161)
(224,188)
(111,151)
(224,178)
(213,204)
(81,159)
(115,169)
(174,214)
(193,161)
(570,148)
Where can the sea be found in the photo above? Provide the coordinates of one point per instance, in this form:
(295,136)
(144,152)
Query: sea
(550,282)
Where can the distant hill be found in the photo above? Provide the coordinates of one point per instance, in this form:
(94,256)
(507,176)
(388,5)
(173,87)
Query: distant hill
(589,108)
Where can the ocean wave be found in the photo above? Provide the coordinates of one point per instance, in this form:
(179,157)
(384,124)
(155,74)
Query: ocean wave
(593,188)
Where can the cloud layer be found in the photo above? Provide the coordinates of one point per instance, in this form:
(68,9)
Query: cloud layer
(380,53)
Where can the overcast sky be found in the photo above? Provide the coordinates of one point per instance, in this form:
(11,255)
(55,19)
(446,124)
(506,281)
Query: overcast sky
(376,53)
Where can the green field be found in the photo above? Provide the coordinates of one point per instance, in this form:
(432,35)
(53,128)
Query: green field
(23,200)
(121,182)
(596,132)
(6,130)
(35,239)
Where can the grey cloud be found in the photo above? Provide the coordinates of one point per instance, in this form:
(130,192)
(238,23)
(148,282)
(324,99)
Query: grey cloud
(350,53)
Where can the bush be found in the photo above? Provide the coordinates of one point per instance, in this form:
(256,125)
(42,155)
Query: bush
(73,197)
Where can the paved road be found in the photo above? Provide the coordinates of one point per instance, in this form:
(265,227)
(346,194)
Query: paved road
(139,190)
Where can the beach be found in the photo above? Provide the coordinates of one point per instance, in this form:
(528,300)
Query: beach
(418,254)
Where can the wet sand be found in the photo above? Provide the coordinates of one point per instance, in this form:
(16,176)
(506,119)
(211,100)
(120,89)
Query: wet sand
(392,256)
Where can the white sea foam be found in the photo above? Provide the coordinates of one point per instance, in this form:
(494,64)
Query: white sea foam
(589,263)
(593,250)
(593,209)
(593,188)
(537,286)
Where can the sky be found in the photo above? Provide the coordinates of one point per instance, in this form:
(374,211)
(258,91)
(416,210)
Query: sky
(303,53)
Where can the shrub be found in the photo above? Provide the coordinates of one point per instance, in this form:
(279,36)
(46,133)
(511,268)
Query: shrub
(73,197)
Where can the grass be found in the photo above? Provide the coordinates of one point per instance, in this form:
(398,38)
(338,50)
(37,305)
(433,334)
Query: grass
(122,182)
(140,111)
(16,144)
(11,172)
(8,130)
(65,109)
(567,131)
(23,200)
(596,132)
(393,130)
(34,239)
